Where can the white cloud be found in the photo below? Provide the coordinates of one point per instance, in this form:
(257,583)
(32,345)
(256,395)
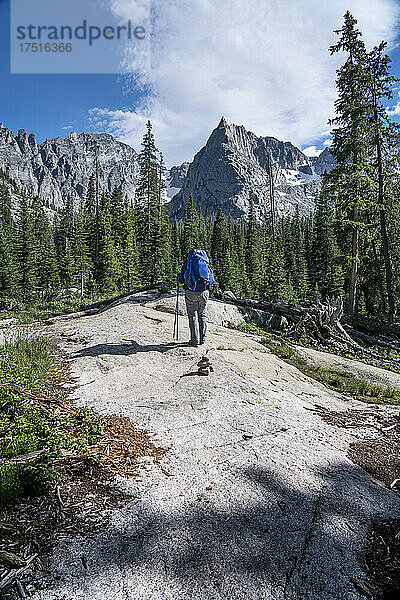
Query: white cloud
(395,110)
(261,63)
(327,143)
(311,151)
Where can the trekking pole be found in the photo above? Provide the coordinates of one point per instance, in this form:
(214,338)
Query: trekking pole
(176,321)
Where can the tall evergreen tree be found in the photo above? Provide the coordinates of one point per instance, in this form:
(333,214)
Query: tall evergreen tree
(385,137)
(117,215)
(49,271)
(64,240)
(300,272)
(191,227)
(350,144)
(90,214)
(162,238)
(326,271)
(8,273)
(253,249)
(221,252)
(5,206)
(26,254)
(148,207)
(131,258)
(176,248)
(82,247)
(109,268)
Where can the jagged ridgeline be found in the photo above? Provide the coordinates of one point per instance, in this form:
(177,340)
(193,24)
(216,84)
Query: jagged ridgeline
(81,219)
(233,162)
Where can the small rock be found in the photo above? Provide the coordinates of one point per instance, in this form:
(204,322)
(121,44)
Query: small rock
(228,295)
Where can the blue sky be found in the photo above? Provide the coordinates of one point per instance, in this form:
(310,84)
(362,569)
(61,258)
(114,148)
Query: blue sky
(50,105)
(260,63)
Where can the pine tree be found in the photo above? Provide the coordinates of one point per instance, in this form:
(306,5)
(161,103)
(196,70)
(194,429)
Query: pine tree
(300,273)
(176,249)
(394,221)
(49,272)
(275,281)
(220,252)
(5,206)
(253,249)
(8,274)
(148,200)
(82,248)
(130,251)
(26,254)
(191,227)
(239,283)
(326,272)
(385,137)
(90,220)
(117,213)
(64,239)
(8,271)
(108,267)
(350,144)
(203,239)
(162,238)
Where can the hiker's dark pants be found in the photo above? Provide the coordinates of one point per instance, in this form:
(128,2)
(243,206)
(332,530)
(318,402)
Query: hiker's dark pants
(196,306)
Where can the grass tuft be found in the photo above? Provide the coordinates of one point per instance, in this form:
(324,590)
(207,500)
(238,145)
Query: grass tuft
(340,381)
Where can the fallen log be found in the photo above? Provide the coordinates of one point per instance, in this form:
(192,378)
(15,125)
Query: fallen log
(323,324)
(371,340)
(11,559)
(15,573)
(22,458)
(372,326)
(108,301)
(96,307)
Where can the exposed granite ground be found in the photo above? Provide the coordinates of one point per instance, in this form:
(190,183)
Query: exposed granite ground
(256,498)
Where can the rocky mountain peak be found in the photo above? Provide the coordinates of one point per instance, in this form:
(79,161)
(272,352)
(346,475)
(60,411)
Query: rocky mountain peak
(235,161)
(22,141)
(324,162)
(223,124)
(60,167)
(32,142)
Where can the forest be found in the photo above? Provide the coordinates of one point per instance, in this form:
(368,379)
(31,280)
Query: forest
(349,245)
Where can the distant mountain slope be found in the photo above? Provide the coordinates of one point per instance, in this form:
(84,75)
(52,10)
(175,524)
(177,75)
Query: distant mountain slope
(235,161)
(60,167)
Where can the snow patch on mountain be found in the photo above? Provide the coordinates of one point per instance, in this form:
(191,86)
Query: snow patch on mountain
(235,162)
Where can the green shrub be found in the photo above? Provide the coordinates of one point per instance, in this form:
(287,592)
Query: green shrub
(284,351)
(26,363)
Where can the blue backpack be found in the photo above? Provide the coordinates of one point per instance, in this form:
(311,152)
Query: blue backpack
(198,275)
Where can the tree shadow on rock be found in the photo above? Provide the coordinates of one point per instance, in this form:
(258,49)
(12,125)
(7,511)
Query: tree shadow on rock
(271,540)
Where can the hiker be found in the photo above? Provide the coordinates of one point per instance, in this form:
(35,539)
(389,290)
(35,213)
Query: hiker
(196,276)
